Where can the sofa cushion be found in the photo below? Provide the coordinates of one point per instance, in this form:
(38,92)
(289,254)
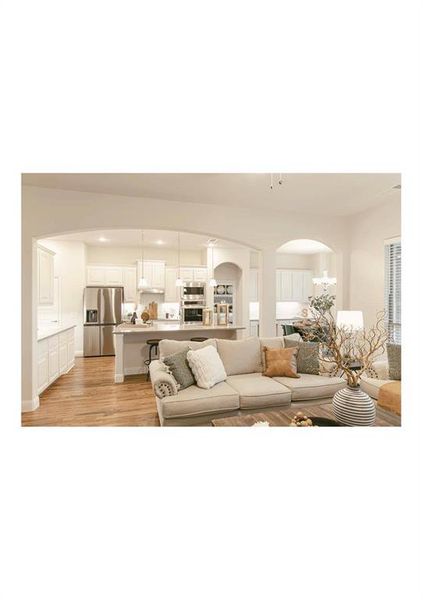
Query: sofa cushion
(240,356)
(180,369)
(280,363)
(207,366)
(394,361)
(168,347)
(257,391)
(372,386)
(307,357)
(195,401)
(312,387)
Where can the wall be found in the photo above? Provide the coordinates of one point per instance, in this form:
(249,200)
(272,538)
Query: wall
(117,255)
(369,230)
(69,267)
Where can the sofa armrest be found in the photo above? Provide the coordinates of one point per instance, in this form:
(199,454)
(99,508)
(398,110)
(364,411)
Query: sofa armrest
(163,382)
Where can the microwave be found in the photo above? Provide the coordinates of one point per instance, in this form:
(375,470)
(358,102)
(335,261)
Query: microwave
(192,314)
(193,291)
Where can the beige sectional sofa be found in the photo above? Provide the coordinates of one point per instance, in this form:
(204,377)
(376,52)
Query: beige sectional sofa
(245,390)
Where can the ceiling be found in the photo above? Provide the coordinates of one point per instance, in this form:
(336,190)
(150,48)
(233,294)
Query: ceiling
(304,247)
(152,238)
(335,194)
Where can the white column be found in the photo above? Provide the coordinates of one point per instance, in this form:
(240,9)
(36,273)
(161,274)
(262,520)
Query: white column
(119,362)
(267,292)
(30,400)
(210,275)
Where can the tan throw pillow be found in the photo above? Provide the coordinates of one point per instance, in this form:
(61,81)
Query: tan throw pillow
(280,363)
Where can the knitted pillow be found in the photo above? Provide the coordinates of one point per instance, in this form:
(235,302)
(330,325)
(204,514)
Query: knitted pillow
(207,366)
(180,369)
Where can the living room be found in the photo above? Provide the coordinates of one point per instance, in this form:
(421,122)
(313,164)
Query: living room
(318,235)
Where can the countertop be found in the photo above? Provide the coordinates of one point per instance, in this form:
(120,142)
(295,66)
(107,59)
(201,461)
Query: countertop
(160,326)
(45,332)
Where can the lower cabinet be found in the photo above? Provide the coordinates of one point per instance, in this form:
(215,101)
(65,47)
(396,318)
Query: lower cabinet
(56,355)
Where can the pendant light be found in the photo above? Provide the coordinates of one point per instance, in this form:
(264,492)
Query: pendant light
(142,282)
(179,282)
(212,282)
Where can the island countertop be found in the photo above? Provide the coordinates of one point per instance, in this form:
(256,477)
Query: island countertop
(161,327)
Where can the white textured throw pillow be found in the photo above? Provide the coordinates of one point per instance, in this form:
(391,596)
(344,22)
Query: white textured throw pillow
(207,366)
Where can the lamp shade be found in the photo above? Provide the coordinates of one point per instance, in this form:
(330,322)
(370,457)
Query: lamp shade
(350,319)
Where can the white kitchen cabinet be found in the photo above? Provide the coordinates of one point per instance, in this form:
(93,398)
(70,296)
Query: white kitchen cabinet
(56,355)
(129,280)
(297,286)
(187,274)
(254,328)
(154,273)
(200,273)
(307,285)
(254,285)
(96,276)
(45,276)
(172,293)
(293,285)
(113,276)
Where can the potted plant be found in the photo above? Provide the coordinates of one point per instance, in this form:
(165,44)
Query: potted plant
(351,353)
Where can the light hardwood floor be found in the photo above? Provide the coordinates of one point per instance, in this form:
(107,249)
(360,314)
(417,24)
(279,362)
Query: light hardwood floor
(88,396)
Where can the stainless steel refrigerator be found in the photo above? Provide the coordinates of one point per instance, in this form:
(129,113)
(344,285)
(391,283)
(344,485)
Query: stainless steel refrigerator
(102,311)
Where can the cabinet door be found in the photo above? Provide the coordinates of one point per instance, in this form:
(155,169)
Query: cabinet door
(286,294)
(42,372)
(114,276)
(172,293)
(187,274)
(297,286)
(254,328)
(63,357)
(71,354)
(148,271)
(200,274)
(253,292)
(53,364)
(158,275)
(96,276)
(129,275)
(45,277)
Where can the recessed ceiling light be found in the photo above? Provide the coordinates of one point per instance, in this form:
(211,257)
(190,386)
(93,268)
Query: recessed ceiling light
(102,239)
(160,242)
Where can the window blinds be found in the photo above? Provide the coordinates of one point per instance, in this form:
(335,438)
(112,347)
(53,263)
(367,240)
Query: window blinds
(393,290)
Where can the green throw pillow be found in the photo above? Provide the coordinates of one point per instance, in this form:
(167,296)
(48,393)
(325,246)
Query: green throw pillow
(307,357)
(180,369)
(394,361)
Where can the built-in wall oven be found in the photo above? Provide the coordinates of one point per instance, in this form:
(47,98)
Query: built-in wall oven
(192,313)
(194,291)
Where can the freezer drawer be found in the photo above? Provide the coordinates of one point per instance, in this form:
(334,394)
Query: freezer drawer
(91,340)
(107,340)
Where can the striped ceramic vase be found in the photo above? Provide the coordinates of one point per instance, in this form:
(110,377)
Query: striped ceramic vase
(352,406)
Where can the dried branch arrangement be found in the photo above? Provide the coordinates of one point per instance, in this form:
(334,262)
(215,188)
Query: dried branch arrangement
(343,346)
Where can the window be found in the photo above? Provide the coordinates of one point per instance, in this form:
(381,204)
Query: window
(393,289)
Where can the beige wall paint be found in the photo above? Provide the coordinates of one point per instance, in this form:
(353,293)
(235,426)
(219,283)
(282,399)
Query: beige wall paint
(69,266)
(117,255)
(369,230)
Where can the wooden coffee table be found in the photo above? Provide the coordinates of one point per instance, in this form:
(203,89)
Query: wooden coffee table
(282,417)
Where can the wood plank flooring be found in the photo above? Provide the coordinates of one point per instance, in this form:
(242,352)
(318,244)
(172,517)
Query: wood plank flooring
(88,396)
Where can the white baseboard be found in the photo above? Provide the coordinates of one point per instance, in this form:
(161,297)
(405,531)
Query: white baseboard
(30,405)
(135,370)
(119,378)
(79,353)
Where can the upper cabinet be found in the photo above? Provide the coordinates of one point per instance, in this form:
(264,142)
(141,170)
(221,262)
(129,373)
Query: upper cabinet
(194,273)
(96,275)
(293,285)
(114,276)
(45,275)
(172,293)
(154,273)
(129,279)
(254,286)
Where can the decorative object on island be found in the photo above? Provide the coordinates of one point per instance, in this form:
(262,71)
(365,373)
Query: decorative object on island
(142,282)
(222,314)
(207,316)
(324,281)
(347,343)
(145,316)
(134,318)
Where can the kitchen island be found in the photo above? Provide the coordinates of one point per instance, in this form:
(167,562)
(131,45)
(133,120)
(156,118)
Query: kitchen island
(132,350)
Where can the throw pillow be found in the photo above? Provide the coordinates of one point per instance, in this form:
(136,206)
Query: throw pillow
(180,369)
(280,363)
(308,356)
(394,361)
(240,357)
(207,366)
